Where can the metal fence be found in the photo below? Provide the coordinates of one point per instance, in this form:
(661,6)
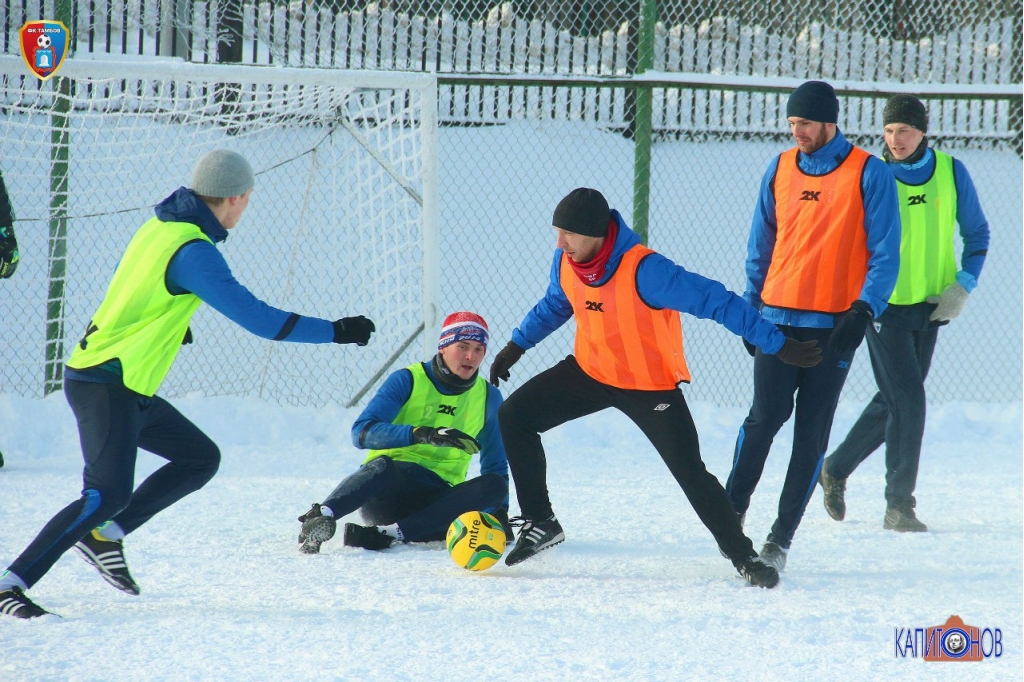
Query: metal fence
(504,181)
(674,119)
(861,41)
(973,41)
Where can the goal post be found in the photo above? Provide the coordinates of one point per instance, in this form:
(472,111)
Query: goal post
(343,219)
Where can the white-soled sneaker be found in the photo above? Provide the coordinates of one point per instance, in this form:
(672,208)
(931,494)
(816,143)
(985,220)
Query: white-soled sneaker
(535,536)
(15,603)
(108,558)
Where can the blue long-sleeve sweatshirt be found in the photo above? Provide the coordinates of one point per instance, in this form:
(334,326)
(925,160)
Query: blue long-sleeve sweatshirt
(199,268)
(660,284)
(881,225)
(973,225)
(374,428)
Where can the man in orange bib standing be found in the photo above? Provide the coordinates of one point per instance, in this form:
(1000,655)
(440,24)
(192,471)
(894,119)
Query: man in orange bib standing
(628,354)
(822,261)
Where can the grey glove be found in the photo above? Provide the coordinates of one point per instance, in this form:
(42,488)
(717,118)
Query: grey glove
(949,303)
(445,437)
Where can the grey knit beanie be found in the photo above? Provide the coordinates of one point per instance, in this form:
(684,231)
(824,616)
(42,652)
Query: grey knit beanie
(222,173)
(814,101)
(583,211)
(906,109)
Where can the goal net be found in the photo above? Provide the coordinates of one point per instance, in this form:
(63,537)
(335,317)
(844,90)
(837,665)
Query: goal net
(342,220)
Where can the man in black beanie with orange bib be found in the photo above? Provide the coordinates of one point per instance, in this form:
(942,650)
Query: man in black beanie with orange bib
(821,263)
(628,354)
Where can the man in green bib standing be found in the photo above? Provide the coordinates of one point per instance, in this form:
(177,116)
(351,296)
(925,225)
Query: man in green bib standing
(936,196)
(170,267)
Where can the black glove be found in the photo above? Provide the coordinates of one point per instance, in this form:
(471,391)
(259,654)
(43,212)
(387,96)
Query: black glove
(355,330)
(503,361)
(445,437)
(850,328)
(800,353)
(188,336)
(8,252)
(751,348)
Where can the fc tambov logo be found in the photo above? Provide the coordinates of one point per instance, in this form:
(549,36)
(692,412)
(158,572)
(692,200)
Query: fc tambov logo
(44,45)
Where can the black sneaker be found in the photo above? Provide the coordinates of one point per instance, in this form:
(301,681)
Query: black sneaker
(534,537)
(835,490)
(325,529)
(315,532)
(367,537)
(108,558)
(903,520)
(774,555)
(313,513)
(757,572)
(14,602)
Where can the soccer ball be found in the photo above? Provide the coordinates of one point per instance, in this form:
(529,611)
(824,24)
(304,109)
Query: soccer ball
(475,540)
(43,41)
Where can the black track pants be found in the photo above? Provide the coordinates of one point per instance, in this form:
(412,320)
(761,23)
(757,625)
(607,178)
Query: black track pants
(900,359)
(564,393)
(113,422)
(778,388)
(422,503)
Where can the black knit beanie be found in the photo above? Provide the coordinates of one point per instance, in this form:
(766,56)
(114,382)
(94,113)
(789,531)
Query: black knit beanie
(905,109)
(814,101)
(583,211)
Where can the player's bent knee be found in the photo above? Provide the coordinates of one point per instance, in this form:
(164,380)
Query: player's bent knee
(105,504)
(493,488)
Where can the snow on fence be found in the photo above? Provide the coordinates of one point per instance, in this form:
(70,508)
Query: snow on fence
(306,33)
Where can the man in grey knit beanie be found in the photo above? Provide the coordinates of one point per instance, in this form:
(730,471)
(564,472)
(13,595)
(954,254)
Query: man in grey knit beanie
(170,267)
(222,173)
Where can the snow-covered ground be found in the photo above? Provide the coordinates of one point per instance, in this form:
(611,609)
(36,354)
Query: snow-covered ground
(637,592)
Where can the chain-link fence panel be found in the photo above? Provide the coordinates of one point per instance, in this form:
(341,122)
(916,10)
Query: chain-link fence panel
(968,41)
(501,181)
(336,225)
(559,110)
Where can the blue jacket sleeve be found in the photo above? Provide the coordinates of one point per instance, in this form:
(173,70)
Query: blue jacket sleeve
(882,225)
(373,429)
(663,284)
(973,228)
(761,243)
(550,313)
(201,269)
(492,449)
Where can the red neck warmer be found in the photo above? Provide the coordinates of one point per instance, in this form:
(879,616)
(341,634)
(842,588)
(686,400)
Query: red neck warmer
(594,270)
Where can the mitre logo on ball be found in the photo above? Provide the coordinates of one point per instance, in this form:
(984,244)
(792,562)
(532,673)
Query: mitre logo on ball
(475,540)
(44,45)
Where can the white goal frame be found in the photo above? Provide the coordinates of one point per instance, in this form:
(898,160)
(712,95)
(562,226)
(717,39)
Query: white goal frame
(41,218)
